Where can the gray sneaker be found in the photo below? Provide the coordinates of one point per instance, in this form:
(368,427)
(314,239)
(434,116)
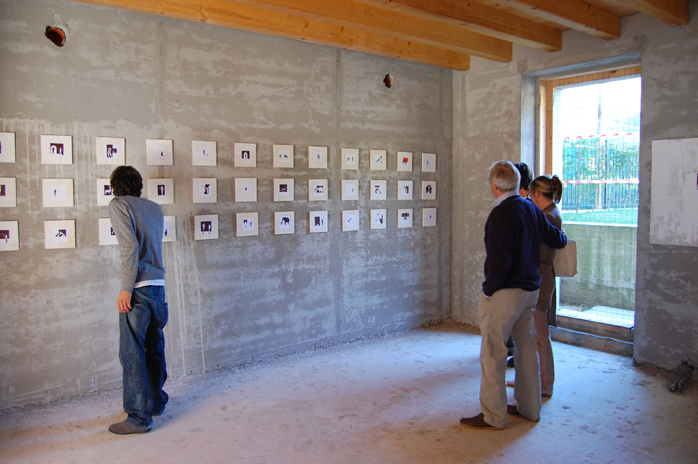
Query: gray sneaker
(124,428)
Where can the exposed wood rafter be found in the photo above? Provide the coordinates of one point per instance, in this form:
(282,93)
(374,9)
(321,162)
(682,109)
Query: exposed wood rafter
(222,13)
(482,19)
(371,18)
(672,12)
(575,14)
(441,33)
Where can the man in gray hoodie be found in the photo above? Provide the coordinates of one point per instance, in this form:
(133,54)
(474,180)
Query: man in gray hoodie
(138,225)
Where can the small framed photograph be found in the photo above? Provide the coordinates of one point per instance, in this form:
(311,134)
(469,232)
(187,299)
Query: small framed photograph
(283,156)
(246,224)
(429,217)
(317,157)
(106,232)
(169,229)
(284,223)
(159,152)
(404,190)
(9,235)
(203,153)
(161,191)
(350,220)
(206,227)
(111,150)
(428,190)
(245,155)
(58,193)
(404,161)
(8,192)
(59,234)
(105,192)
(379,160)
(378,219)
(245,189)
(283,189)
(56,149)
(317,190)
(317,221)
(204,190)
(404,218)
(428,162)
(350,158)
(7,148)
(350,190)
(379,190)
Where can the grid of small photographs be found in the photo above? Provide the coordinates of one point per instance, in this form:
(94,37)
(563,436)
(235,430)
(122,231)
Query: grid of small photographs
(111,151)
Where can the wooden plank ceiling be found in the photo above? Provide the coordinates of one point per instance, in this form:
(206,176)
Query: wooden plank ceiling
(442,33)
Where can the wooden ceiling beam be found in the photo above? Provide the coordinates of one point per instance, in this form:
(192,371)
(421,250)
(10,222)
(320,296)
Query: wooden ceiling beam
(482,19)
(575,14)
(363,16)
(224,13)
(672,12)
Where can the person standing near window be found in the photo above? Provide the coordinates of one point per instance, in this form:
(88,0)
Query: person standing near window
(514,231)
(546,192)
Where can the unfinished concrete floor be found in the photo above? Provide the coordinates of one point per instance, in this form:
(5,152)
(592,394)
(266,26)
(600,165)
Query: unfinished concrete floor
(391,399)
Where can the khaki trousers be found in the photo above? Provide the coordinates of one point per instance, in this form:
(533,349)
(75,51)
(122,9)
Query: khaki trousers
(509,312)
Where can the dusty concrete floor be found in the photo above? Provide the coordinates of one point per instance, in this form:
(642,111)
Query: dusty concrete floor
(392,399)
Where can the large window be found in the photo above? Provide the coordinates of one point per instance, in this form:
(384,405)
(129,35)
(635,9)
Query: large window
(593,144)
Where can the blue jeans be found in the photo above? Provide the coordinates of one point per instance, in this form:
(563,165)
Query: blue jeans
(142,355)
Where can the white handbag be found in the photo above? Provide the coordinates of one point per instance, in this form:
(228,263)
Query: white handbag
(565,263)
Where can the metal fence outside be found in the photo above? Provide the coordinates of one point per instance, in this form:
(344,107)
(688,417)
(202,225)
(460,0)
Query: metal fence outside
(599,209)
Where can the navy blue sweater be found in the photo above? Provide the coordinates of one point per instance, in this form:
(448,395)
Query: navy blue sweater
(513,234)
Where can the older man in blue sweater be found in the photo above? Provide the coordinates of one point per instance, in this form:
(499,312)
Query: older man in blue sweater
(138,225)
(514,231)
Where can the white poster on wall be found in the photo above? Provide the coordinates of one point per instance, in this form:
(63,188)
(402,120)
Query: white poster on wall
(206,227)
(105,192)
(169,229)
(203,153)
(674,215)
(107,236)
(159,152)
(56,149)
(111,150)
(7,147)
(8,192)
(9,235)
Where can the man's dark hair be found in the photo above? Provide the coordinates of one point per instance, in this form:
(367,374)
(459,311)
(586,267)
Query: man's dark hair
(526,175)
(126,180)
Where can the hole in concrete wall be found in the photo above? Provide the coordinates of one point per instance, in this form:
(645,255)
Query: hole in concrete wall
(388,80)
(55,35)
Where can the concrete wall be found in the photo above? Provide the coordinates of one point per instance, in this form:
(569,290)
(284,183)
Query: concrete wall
(606,261)
(124,74)
(488,126)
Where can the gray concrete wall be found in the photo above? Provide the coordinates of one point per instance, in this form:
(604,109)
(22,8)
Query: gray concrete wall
(488,126)
(606,261)
(138,76)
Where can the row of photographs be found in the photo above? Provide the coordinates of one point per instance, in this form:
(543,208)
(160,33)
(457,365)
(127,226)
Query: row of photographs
(59,192)
(58,149)
(61,233)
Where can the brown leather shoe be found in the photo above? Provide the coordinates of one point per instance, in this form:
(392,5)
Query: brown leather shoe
(511,409)
(477,422)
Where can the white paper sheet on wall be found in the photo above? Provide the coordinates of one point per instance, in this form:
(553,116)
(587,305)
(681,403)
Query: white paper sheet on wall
(674,215)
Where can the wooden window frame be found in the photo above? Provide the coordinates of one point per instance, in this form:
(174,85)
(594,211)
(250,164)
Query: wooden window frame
(547,87)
